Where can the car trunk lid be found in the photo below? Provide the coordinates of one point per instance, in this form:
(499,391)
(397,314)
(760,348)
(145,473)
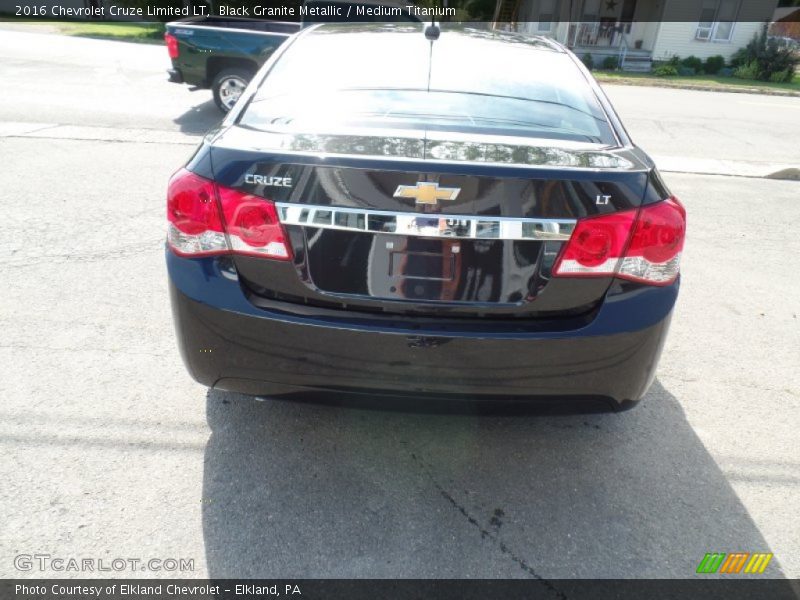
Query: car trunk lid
(413,225)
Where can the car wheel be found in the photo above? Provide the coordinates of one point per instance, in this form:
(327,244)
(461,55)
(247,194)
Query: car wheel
(228,86)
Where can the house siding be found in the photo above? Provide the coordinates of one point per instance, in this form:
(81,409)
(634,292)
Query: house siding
(679,39)
(681,17)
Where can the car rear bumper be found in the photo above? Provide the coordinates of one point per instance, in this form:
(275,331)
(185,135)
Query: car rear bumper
(229,343)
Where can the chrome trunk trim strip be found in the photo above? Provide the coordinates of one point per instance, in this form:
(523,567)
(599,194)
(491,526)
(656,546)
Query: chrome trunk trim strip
(424,225)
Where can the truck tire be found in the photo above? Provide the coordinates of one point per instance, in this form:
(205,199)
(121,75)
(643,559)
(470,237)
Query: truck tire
(228,85)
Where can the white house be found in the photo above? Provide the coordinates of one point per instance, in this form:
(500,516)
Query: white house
(640,31)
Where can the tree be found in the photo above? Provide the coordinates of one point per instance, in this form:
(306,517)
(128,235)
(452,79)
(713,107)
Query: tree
(765,60)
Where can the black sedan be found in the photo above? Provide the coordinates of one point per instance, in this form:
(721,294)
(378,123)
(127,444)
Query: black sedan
(400,210)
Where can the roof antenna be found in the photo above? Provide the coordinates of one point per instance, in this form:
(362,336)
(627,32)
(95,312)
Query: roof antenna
(432,31)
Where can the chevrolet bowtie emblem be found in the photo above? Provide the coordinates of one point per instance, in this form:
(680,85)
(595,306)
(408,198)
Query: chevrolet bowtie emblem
(426,192)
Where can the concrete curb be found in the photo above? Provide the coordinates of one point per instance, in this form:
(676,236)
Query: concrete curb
(99,134)
(729,168)
(733,89)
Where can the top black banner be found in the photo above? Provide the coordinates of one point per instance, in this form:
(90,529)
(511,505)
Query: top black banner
(530,16)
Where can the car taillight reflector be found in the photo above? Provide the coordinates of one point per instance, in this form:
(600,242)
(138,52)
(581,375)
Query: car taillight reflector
(252,224)
(172,45)
(596,245)
(654,253)
(643,245)
(201,213)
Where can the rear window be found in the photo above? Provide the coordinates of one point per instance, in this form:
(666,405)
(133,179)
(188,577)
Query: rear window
(469,82)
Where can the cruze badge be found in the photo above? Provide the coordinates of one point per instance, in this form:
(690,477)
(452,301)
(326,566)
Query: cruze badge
(268,181)
(426,192)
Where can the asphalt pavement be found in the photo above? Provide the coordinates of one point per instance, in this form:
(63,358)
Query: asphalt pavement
(110,450)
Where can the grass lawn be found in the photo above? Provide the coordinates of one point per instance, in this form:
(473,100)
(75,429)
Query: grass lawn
(149,33)
(152,33)
(699,81)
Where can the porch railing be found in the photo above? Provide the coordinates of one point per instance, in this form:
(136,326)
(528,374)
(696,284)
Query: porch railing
(608,34)
(623,52)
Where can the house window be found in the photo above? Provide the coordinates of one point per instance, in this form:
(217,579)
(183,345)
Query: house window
(716,20)
(546,16)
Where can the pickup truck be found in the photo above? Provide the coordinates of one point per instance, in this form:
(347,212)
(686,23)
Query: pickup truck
(224,53)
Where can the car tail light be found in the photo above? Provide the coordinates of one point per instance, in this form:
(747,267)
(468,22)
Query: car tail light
(641,245)
(252,225)
(654,252)
(172,45)
(206,218)
(195,226)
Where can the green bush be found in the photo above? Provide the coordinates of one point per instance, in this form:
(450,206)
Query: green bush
(588,61)
(714,64)
(747,71)
(610,63)
(740,57)
(765,60)
(686,71)
(782,76)
(480,9)
(672,62)
(692,62)
(665,71)
(726,72)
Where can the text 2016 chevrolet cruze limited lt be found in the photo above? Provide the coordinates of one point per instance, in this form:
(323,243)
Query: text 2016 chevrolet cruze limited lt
(398,210)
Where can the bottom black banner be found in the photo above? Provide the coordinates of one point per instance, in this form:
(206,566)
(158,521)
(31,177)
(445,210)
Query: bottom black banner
(406,589)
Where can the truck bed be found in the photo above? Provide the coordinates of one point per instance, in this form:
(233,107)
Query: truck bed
(212,52)
(238,24)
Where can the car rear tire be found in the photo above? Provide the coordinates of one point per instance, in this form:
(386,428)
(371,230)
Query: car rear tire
(228,85)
